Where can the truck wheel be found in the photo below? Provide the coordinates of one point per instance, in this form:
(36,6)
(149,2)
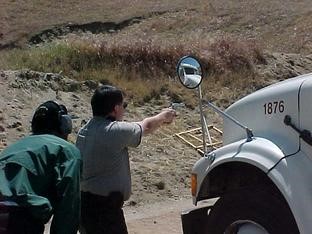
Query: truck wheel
(252,212)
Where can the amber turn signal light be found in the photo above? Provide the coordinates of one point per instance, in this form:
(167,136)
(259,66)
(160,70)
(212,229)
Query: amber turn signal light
(194,184)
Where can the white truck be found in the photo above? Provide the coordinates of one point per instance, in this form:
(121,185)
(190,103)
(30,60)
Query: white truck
(262,175)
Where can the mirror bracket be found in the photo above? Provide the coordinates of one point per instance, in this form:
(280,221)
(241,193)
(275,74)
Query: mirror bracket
(222,113)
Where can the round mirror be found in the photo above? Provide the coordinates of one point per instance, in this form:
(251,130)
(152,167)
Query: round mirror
(190,72)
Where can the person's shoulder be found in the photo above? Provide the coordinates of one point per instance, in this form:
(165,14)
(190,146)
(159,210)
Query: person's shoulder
(124,125)
(60,143)
(49,139)
(20,145)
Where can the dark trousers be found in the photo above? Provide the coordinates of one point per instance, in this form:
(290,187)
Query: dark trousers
(17,220)
(102,214)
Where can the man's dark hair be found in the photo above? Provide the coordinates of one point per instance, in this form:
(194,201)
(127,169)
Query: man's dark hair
(46,119)
(104,100)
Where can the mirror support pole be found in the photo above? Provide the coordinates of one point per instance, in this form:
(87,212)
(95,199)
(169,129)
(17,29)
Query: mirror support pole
(202,118)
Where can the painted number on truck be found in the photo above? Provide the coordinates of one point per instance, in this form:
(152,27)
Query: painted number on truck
(274,107)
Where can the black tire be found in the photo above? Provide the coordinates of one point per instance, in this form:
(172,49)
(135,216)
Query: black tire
(265,207)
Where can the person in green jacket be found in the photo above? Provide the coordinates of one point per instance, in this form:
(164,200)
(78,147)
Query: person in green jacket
(40,176)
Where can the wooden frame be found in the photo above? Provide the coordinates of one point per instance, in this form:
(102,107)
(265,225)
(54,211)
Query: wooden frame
(193,138)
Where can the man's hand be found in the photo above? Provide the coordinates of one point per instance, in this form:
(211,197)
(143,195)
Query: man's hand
(150,124)
(167,115)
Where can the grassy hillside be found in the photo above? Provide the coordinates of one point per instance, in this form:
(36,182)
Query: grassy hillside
(136,44)
(283,25)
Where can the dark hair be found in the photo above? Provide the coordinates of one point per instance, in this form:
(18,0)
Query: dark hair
(47,118)
(104,99)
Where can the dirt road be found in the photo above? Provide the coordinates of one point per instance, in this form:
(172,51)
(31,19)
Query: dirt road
(157,218)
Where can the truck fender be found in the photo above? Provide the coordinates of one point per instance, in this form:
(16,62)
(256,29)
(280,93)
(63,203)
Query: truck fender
(260,163)
(292,176)
(235,165)
(259,152)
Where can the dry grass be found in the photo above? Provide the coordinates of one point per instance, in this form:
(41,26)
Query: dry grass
(279,25)
(145,69)
(228,37)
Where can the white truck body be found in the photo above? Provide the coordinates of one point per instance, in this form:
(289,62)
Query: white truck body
(282,157)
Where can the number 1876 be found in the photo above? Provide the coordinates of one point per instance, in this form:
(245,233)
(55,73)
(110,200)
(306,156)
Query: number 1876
(274,107)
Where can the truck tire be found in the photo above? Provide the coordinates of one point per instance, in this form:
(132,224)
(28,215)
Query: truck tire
(252,212)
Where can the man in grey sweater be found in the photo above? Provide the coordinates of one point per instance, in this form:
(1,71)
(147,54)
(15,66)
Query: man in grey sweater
(104,142)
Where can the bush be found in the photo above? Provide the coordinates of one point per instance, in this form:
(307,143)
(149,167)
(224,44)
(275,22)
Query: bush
(143,68)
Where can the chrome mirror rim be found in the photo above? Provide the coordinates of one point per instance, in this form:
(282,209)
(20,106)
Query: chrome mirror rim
(198,68)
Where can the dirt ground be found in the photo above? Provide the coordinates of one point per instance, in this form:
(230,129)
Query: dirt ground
(157,218)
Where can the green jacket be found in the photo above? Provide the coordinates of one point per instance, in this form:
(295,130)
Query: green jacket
(42,174)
